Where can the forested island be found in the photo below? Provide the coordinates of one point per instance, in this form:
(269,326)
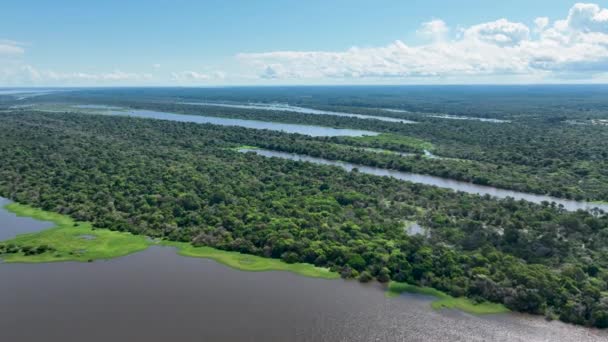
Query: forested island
(187,183)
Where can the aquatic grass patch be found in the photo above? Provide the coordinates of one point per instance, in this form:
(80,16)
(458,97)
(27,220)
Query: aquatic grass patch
(243,147)
(64,241)
(394,140)
(247,262)
(445,301)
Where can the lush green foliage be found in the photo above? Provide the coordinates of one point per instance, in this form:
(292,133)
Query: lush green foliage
(445,301)
(539,151)
(67,241)
(248,262)
(185,183)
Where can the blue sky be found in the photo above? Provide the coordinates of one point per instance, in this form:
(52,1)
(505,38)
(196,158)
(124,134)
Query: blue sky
(301,42)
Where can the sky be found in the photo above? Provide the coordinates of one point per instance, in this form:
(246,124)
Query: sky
(284,42)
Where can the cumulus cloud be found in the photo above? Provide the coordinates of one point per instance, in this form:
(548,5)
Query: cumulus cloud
(435,29)
(588,18)
(500,32)
(575,45)
(541,23)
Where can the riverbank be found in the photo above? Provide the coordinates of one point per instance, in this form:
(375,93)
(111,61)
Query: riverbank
(445,301)
(248,262)
(446,183)
(69,240)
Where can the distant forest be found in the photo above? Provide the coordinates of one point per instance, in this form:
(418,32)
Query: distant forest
(186,182)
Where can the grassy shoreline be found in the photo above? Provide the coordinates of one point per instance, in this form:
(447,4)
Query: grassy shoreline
(248,262)
(70,240)
(445,301)
(67,243)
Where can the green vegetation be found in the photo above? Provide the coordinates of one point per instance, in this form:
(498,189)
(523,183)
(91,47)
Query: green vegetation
(537,152)
(79,241)
(391,142)
(65,241)
(445,301)
(183,182)
(244,147)
(250,263)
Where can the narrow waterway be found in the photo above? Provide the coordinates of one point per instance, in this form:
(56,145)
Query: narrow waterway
(470,188)
(289,108)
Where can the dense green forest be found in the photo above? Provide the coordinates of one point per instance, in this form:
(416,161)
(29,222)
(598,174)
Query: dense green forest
(540,150)
(185,182)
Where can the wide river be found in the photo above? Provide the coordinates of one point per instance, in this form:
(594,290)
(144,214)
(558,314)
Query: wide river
(157,295)
(314,131)
(289,108)
(436,181)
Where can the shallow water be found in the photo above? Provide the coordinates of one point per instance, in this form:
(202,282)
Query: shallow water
(436,181)
(296,109)
(314,131)
(12,225)
(157,295)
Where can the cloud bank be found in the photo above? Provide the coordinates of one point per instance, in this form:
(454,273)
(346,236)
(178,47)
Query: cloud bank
(23,74)
(194,76)
(573,47)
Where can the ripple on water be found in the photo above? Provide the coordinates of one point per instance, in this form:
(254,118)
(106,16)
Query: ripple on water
(157,295)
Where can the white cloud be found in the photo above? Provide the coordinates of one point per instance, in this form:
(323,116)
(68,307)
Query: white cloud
(576,46)
(435,29)
(17,73)
(156,66)
(194,76)
(9,48)
(500,32)
(541,23)
(588,18)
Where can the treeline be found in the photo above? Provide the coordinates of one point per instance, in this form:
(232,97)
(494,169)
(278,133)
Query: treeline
(183,182)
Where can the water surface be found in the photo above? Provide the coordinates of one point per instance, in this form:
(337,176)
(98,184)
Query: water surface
(289,108)
(12,225)
(157,295)
(314,131)
(470,188)
(449,117)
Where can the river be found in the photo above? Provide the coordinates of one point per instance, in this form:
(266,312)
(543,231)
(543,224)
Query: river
(470,188)
(157,295)
(289,108)
(447,116)
(314,131)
